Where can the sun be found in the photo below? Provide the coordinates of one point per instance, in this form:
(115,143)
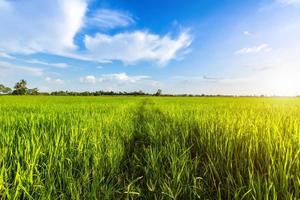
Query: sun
(284,82)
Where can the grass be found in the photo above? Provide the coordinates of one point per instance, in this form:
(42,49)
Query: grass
(149,148)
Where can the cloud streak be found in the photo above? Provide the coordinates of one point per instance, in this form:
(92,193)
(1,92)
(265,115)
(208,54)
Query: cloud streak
(56,81)
(123,77)
(288,2)
(110,19)
(90,79)
(58,65)
(116,78)
(247,33)
(6,68)
(5,55)
(255,49)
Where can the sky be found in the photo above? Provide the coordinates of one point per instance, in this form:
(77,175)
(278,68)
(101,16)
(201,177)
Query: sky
(237,47)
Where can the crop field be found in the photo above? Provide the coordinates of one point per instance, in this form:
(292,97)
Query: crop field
(149,148)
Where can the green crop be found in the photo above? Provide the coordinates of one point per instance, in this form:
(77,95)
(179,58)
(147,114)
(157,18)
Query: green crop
(149,148)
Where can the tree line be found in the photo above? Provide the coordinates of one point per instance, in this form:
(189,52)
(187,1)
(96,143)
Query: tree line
(21,88)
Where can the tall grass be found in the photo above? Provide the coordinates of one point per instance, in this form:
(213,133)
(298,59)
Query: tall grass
(149,148)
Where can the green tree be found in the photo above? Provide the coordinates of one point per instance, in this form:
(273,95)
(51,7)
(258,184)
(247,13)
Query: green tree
(4,90)
(20,88)
(158,93)
(33,91)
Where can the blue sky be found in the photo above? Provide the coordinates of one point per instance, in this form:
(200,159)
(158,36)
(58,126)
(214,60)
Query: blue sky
(206,46)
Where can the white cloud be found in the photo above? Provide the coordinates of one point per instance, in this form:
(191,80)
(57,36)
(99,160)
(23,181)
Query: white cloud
(247,33)
(6,68)
(200,78)
(40,26)
(122,77)
(88,79)
(136,46)
(4,5)
(58,65)
(54,81)
(5,55)
(109,19)
(288,2)
(115,78)
(50,26)
(255,49)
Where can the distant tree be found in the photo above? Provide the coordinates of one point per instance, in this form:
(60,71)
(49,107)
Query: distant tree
(1,88)
(140,92)
(4,90)
(20,88)
(60,93)
(7,90)
(158,93)
(33,91)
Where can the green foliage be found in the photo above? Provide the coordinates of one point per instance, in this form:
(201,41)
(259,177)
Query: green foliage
(20,88)
(158,93)
(33,91)
(4,89)
(149,148)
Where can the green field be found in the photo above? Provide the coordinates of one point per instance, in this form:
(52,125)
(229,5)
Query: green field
(149,148)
